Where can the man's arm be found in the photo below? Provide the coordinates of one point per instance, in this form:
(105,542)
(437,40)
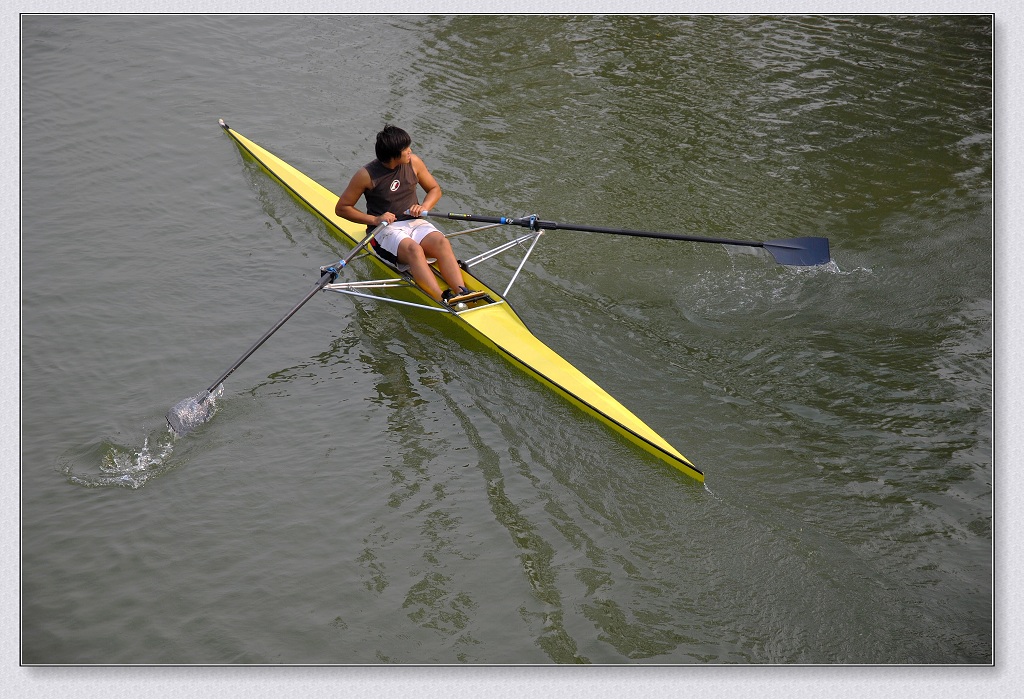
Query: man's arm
(346,206)
(429,184)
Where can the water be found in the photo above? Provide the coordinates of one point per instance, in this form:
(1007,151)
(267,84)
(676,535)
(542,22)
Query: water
(378,488)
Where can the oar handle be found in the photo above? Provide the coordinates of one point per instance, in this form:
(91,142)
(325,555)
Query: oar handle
(524,221)
(467,217)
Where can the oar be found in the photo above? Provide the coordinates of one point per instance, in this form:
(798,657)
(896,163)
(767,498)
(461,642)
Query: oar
(193,411)
(791,251)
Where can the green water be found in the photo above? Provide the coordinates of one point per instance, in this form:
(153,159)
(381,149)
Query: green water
(379,488)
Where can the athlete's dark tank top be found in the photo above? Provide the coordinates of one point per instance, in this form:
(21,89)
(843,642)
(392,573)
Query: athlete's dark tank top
(391,190)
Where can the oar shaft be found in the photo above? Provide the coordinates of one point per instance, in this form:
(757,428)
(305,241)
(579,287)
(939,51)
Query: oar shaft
(792,251)
(362,244)
(329,275)
(324,281)
(534,223)
(551,225)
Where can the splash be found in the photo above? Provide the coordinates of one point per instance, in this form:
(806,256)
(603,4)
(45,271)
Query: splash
(132,467)
(123,466)
(832,267)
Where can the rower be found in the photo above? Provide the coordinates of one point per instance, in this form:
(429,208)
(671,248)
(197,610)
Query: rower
(389,187)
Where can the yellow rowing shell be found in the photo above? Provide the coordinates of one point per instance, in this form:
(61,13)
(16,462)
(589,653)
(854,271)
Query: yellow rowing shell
(495,324)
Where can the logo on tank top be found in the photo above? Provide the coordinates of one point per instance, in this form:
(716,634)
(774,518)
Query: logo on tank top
(395,185)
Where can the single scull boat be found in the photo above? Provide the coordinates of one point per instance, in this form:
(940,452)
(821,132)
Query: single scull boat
(490,318)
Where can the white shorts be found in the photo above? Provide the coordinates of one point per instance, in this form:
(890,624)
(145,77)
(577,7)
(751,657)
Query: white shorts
(391,237)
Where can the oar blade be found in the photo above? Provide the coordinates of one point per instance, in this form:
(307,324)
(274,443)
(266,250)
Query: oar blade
(801,252)
(192,412)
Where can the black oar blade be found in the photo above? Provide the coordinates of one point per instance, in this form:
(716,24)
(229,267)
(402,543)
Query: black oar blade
(192,412)
(802,252)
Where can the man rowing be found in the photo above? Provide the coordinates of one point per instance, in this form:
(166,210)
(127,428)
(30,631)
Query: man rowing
(389,186)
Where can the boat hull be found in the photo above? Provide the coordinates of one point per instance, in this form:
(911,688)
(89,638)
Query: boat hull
(495,324)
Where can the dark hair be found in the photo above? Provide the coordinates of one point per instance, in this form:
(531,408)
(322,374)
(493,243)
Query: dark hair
(391,141)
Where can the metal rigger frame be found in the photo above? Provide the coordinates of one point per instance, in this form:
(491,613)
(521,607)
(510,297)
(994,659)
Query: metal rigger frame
(360,288)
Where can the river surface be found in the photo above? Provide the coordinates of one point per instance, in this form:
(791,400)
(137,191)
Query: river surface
(376,486)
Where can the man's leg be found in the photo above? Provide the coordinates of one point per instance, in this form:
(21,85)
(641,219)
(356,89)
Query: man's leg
(437,246)
(411,253)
